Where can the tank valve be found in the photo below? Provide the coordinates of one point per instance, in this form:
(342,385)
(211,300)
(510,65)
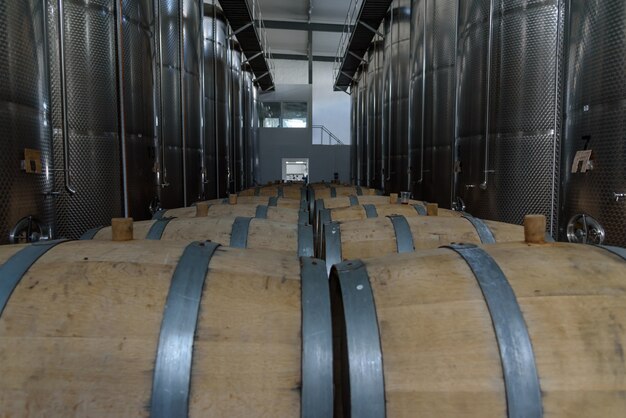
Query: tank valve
(29,229)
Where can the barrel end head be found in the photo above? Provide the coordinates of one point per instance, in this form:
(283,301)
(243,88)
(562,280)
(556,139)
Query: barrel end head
(122,229)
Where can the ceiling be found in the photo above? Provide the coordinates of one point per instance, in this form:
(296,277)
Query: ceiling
(287,31)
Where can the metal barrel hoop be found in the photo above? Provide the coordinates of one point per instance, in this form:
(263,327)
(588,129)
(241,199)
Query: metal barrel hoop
(333,192)
(370,211)
(483,231)
(239,232)
(620,252)
(159,214)
(172,371)
(354,201)
(521,381)
(317,341)
(421,210)
(261,212)
(305,241)
(272,201)
(158,228)
(13,270)
(364,352)
(91,234)
(404,237)
(303,217)
(332,244)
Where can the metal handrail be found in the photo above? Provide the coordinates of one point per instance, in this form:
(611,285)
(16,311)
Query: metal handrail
(331,135)
(349,22)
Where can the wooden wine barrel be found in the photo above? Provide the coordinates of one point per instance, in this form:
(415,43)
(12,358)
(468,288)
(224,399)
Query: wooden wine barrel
(376,210)
(506,330)
(279,190)
(280,202)
(238,232)
(316,206)
(272,213)
(375,237)
(334,191)
(162,329)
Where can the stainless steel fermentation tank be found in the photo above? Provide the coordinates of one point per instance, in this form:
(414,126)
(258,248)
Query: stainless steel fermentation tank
(363,176)
(192,100)
(235,59)
(181,104)
(85,110)
(509,102)
(594,197)
(395,138)
(354,131)
(255,172)
(140,106)
(432,99)
(24,124)
(217,99)
(374,114)
(359,121)
(249,129)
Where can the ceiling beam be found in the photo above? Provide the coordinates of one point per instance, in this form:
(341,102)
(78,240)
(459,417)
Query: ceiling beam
(298,57)
(304,26)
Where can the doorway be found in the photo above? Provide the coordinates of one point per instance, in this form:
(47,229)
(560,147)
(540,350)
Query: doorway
(295,169)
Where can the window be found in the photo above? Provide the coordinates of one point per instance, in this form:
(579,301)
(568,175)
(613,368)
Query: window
(270,114)
(284,114)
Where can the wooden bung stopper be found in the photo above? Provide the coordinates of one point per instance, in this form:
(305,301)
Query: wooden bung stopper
(232,199)
(202,209)
(122,229)
(432,209)
(393,198)
(535,229)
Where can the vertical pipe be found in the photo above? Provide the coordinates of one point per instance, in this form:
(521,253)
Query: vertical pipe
(484,184)
(389,113)
(163,182)
(183,118)
(157,112)
(424,66)
(63,82)
(122,115)
(454,153)
(203,175)
(218,163)
(557,86)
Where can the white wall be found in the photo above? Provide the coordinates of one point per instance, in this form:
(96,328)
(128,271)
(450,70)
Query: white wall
(330,108)
(291,72)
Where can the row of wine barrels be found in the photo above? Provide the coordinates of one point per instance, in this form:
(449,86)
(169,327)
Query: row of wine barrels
(375,237)
(375,210)
(339,191)
(238,232)
(162,329)
(280,190)
(507,330)
(271,201)
(202,209)
(350,201)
